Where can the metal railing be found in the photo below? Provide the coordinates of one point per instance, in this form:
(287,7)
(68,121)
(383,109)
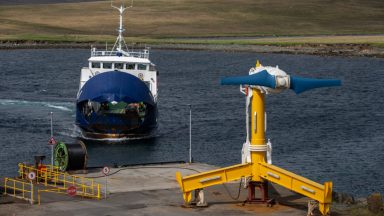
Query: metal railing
(60,181)
(19,189)
(56,190)
(42,175)
(143,54)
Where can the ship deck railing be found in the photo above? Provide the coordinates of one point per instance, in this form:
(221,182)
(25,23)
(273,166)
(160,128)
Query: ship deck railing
(137,54)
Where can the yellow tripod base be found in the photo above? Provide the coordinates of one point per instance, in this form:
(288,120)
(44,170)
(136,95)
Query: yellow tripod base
(289,180)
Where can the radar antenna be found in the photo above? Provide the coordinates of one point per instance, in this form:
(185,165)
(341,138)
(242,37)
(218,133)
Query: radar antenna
(120,39)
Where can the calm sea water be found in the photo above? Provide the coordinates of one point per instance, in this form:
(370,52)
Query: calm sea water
(326,134)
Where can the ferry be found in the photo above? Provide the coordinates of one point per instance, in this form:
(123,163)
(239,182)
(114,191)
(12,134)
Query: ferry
(117,96)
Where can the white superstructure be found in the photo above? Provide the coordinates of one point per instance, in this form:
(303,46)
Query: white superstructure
(136,63)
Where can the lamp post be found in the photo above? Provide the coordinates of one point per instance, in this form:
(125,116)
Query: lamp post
(190,133)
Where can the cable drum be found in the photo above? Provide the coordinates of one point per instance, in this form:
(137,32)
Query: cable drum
(70,156)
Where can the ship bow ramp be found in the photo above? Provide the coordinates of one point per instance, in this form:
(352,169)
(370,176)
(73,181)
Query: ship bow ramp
(116,103)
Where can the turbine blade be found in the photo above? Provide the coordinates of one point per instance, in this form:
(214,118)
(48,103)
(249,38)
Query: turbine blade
(262,78)
(300,84)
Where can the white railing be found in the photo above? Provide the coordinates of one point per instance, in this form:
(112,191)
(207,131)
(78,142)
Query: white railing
(143,54)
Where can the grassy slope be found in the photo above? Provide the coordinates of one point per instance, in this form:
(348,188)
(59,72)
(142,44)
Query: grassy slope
(158,21)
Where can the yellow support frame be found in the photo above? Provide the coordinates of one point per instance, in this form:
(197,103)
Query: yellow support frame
(289,180)
(258,170)
(214,177)
(299,184)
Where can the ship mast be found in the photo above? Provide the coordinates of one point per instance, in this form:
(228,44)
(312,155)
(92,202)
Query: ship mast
(120,39)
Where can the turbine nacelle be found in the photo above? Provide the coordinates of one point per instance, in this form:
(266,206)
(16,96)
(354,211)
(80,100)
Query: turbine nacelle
(281,82)
(274,80)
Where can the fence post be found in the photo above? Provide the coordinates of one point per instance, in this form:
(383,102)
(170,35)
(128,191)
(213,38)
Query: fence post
(5,185)
(31,193)
(20,171)
(83,186)
(23,189)
(55,177)
(106,186)
(93,189)
(98,191)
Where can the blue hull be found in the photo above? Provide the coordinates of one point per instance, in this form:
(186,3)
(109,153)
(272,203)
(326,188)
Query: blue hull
(114,105)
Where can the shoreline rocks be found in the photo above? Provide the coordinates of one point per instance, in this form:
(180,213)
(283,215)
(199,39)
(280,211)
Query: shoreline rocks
(365,50)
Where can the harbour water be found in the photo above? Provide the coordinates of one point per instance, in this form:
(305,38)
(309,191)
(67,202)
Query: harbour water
(325,134)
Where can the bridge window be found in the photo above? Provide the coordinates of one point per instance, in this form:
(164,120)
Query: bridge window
(119,66)
(95,64)
(130,66)
(152,67)
(141,67)
(107,65)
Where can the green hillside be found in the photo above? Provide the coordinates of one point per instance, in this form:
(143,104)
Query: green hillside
(151,20)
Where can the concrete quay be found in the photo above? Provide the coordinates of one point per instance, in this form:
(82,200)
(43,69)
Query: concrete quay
(153,190)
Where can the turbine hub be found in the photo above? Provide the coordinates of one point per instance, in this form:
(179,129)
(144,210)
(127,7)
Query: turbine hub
(282,79)
(282,82)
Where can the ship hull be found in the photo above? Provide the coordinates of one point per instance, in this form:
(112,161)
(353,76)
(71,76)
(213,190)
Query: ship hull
(115,105)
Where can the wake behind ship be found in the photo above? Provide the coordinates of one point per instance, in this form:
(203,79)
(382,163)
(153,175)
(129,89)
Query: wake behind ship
(118,92)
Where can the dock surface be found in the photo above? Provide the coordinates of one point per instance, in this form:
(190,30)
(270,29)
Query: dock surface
(153,190)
